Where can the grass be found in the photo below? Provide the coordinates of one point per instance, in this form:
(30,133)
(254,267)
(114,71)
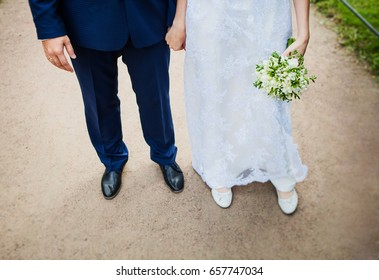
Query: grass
(353,34)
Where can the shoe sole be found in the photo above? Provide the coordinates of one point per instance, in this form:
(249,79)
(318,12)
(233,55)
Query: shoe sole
(176,191)
(222,207)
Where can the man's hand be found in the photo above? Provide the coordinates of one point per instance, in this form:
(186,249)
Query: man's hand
(54,51)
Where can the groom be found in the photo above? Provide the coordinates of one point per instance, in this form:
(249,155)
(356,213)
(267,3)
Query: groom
(94,34)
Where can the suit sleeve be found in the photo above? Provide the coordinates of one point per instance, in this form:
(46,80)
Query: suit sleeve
(171,12)
(46,17)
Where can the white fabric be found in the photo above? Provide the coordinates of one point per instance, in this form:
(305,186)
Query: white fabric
(238,134)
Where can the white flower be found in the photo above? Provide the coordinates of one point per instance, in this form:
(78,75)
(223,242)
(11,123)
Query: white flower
(282,77)
(293,62)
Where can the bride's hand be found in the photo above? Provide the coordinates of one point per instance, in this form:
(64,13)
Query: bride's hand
(300,45)
(176,37)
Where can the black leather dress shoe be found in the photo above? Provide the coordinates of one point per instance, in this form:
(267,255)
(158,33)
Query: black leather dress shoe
(173,177)
(111,184)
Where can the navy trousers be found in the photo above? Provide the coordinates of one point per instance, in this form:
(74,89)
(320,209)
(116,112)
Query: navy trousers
(148,67)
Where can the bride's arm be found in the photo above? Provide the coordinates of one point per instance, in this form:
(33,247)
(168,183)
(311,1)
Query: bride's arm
(303,34)
(176,36)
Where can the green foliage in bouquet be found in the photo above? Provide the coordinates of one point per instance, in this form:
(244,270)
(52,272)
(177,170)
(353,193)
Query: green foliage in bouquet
(282,77)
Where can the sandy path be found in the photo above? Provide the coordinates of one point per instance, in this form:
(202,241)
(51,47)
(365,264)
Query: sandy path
(51,205)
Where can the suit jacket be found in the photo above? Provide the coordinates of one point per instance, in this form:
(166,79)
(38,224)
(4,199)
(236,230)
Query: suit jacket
(104,24)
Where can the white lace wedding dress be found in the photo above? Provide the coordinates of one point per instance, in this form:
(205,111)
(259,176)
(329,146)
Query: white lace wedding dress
(238,134)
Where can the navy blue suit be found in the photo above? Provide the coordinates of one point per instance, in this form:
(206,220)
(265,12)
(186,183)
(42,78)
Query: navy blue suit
(100,32)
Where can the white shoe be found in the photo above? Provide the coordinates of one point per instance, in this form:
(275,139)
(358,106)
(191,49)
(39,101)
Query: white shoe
(288,205)
(222,199)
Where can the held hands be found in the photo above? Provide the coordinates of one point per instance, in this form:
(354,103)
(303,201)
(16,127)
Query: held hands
(54,51)
(176,37)
(300,45)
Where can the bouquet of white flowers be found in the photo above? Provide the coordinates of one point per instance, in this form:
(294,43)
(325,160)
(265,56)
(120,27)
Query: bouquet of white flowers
(283,77)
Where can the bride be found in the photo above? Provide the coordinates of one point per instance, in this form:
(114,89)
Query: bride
(239,134)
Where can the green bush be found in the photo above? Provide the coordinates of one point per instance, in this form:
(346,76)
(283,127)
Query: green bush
(353,34)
